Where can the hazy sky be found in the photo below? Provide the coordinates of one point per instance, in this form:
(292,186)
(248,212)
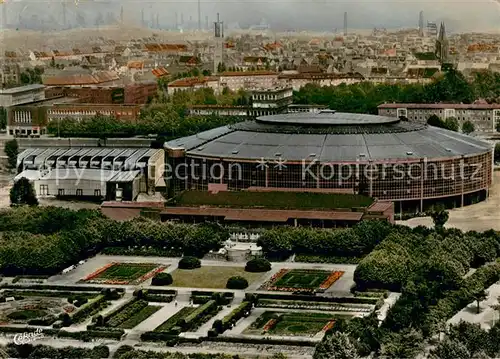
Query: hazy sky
(303,14)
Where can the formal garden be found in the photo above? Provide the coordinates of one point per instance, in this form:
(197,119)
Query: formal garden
(292,323)
(54,307)
(124,273)
(126,316)
(438,272)
(301,280)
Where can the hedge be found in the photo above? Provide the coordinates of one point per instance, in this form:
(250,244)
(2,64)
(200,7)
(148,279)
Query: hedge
(126,313)
(46,321)
(63,288)
(235,315)
(189,263)
(222,298)
(108,333)
(237,282)
(4,329)
(310,298)
(265,341)
(169,338)
(162,291)
(258,265)
(162,279)
(117,310)
(197,315)
(89,309)
(87,334)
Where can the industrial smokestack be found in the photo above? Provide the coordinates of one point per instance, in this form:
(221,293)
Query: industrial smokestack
(345,23)
(199,15)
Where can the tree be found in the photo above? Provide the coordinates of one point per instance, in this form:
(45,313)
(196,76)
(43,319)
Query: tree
(162,279)
(468,127)
(451,349)
(336,346)
(221,67)
(439,216)
(23,193)
(258,265)
(451,124)
(497,152)
(3,118)
(189,263)
(407,344)
(237,282)
(11,150)
(435,121)
(480,295)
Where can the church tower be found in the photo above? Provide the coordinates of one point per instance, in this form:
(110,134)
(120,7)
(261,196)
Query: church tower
(442,45)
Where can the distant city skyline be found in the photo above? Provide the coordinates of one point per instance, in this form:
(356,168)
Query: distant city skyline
(280,15)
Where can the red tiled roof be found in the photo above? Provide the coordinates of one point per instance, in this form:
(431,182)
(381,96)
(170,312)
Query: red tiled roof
(190,81)
(138,65)
(81,79)
(160,72)
(165,47)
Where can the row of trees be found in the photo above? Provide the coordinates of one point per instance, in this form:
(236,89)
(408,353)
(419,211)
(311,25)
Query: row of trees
(166,117)
(365,97)
(451,123)
(280,243)
(46,240)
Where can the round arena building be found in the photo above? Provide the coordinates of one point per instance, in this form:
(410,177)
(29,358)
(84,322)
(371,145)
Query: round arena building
(412,164)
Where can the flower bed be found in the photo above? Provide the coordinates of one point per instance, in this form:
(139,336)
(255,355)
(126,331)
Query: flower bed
(301,280)
(335,276)
(124,273)
(149,275)
(269,325)
(328,326)
(98,272)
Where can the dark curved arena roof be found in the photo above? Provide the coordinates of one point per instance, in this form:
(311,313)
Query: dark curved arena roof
(329,136)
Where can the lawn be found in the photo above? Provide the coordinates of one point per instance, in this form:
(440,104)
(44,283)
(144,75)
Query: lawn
(172,321)
(290,324)
(210,277)
(139,317)
(297,278)
(291,280)
(26,314)
(126,271)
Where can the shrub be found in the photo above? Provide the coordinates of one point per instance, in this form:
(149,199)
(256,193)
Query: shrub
(258,265)
(237,283)
(80,301)
(162,279)
(189,263)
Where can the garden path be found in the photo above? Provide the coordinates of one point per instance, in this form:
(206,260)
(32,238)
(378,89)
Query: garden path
(487,316)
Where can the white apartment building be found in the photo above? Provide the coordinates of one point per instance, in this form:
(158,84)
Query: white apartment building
(485,117)
(21,95)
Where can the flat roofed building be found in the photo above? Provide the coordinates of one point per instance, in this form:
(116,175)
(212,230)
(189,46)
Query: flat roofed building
(21,95)
(30,119)
(248,80)
(103,173)
(412,164)
(271,101)
(484,116)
